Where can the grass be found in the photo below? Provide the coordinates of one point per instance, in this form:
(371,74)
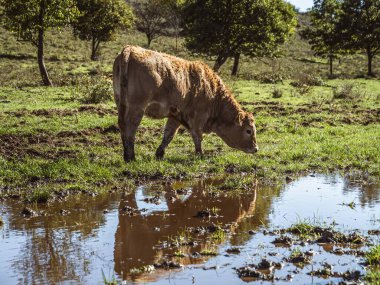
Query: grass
(372,277)
(296,252)
(48,137)
(373,256)
(51,138)
(304,229)
(209,252)
(218,236)
(109,281)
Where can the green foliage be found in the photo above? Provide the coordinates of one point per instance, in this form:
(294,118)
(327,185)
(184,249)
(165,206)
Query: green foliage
(31,18)
(372,276)
(100,20)
(360,25)
(39,196)
(305,229)
(308,79)
(174,21)
(373,255)
(109,281)
(296,252)
(150,18)
(323,34)
(94,90)
(223,29)
(270,77)
(26,18)
(277,93)
(347,91)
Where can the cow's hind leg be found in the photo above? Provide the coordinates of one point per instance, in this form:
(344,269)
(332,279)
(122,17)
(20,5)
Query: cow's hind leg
(171,129)
(129,120)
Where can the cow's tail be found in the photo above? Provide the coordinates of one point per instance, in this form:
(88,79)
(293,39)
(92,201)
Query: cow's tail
(120,76)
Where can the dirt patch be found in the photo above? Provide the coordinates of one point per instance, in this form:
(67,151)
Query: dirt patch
(54,146)
(326,235)
(50,113)
(355,116)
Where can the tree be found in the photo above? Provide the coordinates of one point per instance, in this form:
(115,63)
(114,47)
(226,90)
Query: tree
(29,20)
(229,28)
(360,24)
(150,18)
(173,16)
(323,35)
(99,21)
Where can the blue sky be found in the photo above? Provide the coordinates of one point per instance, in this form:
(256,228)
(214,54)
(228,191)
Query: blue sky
(302,4)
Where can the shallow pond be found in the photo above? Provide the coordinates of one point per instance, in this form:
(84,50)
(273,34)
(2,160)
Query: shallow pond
(122,235)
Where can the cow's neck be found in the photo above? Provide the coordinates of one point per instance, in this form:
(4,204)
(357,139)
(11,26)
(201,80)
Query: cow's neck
(226,110)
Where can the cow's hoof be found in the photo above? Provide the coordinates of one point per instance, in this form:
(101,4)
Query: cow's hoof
(160,153)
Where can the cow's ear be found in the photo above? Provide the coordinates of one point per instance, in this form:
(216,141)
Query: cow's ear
(239,119)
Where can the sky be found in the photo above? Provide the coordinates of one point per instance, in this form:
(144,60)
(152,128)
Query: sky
(303,5)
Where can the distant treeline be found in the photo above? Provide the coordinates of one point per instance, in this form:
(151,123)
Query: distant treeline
(215,29)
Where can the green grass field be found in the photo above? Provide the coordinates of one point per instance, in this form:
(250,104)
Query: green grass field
(51,140)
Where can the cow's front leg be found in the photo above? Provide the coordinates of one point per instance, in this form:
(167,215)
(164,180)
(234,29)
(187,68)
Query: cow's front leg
(129,120)
(171,129)
(197,139)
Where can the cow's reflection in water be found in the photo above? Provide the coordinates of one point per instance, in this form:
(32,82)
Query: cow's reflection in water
(137,236)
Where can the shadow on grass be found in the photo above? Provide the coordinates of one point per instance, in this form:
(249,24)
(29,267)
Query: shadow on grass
(16,56)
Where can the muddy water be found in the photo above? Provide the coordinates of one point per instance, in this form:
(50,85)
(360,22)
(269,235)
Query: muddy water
(73,242)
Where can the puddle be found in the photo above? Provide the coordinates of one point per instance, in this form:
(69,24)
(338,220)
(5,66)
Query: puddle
(74,241)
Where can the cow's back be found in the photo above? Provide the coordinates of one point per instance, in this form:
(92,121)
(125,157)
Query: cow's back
(159,83)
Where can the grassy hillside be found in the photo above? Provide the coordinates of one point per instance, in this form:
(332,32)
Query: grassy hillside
(67,58)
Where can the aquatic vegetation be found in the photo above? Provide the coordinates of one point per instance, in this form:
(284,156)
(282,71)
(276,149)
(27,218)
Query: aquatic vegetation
(304,229)
(208,251)
(322,234)
(219,235)
(110,280)
(373,255)
(372,276)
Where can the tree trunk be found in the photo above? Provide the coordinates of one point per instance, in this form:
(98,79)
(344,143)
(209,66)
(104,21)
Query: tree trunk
(370,58)
(331,59)
(236,64)
(94,49)
(149,40)
(219,62)
(176,42)
(40,48)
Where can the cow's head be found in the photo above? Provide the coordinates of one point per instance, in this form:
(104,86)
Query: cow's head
(241,133)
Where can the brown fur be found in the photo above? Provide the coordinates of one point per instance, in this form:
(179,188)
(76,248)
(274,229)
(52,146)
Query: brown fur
(187,93)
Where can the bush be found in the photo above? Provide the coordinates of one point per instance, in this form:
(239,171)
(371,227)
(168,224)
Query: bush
(308,80)
(277,93)
(94,90)
(348,91)
(305,82)
(270,77)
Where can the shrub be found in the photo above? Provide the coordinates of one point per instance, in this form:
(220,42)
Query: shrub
(270,77)
(94,90)
(305,82)
(348,91)
(308,79)
(277,93)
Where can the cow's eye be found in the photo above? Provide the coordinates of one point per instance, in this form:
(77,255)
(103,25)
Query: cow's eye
(249,132)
